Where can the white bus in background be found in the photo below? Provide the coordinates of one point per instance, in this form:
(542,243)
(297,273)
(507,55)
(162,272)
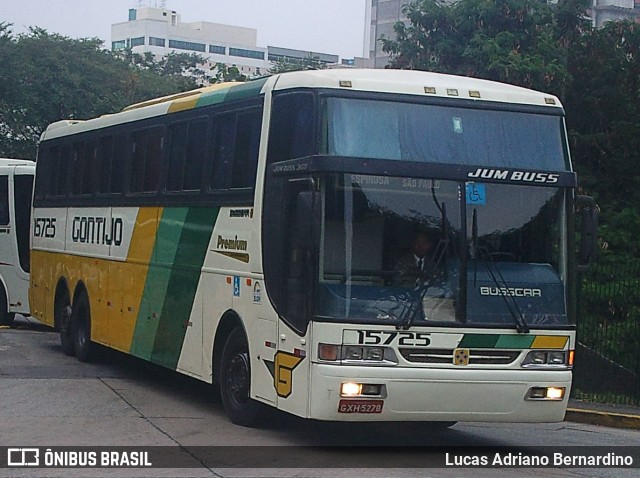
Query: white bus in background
(16,187)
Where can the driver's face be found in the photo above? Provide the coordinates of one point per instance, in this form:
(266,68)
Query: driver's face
(422,245)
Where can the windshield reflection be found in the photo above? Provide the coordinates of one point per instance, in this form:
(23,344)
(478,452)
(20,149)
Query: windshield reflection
(407,251)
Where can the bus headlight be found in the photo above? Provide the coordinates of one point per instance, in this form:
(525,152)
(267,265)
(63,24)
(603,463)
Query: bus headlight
(356,354)
(543,358)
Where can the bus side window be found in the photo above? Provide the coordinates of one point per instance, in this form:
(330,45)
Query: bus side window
(77,166)
(223,150)
(118,162)
(138,152)
(292,127)
(4,200)
(153,160)
(105,159)
(146,154)
(247,144)
(196,151)
(62,167)
(177,152)
(47,178)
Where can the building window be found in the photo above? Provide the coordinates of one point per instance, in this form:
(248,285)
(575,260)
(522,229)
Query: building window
(154,41)
(137,41)
(258,55)
(187,45)
(118,45)
(221,50)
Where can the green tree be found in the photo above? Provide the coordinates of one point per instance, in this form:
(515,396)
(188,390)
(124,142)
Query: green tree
(522,42)
(223,73)
(290,64)
(48,77)
(603,115)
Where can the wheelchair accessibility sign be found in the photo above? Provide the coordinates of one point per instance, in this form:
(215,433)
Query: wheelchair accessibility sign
(476,194)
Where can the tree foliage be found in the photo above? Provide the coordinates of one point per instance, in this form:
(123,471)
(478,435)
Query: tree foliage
(47,77)
(603,114)
(289,64)
(523,42)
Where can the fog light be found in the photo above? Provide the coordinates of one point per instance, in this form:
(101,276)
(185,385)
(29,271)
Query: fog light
(372,389)
(545,393)
(350,389)
(554,393)
(538,393)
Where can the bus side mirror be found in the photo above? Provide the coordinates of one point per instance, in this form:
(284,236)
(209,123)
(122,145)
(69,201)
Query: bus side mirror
(588,210)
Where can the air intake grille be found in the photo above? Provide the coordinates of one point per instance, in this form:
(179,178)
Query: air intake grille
(445,356)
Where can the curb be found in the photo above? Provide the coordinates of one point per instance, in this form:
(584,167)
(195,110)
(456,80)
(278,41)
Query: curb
(604,419)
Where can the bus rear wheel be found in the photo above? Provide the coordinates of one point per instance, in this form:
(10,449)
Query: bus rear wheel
(62,320)
(235,381)
(81,329)
(6,318)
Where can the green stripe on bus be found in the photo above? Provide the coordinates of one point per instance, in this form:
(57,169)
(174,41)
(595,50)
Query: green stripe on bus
(482,341)
(515,341)
(240,91)
(485,341)
(246,90)
(183,283)
(158,275)
(212,98)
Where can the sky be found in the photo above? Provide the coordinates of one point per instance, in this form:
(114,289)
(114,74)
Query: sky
(325,26)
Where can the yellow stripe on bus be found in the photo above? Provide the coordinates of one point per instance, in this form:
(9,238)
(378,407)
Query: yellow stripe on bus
(131,277)
(550,342)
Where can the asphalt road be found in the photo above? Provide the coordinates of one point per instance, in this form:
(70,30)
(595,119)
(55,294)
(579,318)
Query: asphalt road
(50,400)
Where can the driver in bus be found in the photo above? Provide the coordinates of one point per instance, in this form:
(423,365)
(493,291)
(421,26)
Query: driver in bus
(418,264)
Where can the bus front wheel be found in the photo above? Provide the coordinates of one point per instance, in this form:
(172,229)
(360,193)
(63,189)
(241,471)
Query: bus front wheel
(235,381)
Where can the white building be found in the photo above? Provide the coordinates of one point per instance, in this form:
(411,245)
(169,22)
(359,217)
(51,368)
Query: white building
(161,31)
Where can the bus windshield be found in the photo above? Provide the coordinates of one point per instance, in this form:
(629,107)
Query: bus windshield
(491,254)
(443,134)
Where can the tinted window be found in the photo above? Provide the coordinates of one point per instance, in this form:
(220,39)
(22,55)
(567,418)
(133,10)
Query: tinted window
(223,151)
(292,127)
(247,143)
(4,200)
(146,151)
(177,152)
(23,185)
(196,152)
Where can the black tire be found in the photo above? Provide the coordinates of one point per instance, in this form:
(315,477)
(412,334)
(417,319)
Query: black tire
(81,329)
(235,382)
(6,318)
(62,320)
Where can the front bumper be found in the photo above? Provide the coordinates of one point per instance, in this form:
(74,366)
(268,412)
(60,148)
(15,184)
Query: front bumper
(427,394)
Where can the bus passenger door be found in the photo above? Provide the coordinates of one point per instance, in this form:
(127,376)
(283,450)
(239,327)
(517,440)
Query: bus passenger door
(292,360)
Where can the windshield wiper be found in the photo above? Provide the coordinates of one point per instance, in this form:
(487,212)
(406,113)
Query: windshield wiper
(496,276)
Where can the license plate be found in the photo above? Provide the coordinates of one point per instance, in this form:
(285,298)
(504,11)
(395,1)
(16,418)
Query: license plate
(360,406)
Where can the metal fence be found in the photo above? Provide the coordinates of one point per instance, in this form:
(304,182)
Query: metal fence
(607,365)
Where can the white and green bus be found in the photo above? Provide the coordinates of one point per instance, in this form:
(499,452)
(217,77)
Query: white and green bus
(246,234)
(16,187)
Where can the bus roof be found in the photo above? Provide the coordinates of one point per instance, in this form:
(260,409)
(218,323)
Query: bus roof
(408,82)
(414,82)
(16,162)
